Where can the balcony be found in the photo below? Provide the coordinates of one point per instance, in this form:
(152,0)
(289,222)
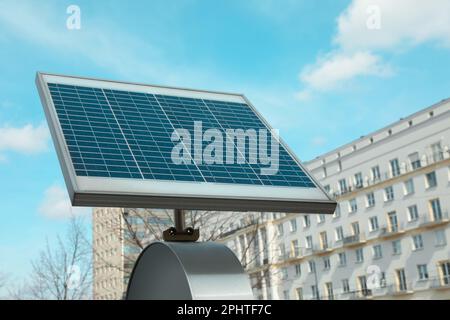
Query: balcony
(392,231)
(435,220)
(405,168)
(356,295)
(354,240)
(398,290)
(323,249)
(295,253)
(441,283)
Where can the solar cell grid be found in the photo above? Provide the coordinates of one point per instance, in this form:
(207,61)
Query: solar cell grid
(114,133)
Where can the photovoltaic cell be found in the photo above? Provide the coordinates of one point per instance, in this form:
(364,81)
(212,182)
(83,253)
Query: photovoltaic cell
(122,134)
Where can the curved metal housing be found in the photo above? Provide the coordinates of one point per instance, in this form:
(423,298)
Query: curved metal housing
(180,271)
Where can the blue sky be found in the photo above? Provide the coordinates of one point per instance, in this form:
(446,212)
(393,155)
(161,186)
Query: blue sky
(324,73)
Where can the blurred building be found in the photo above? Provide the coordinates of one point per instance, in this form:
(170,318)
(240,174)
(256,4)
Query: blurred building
(118,237)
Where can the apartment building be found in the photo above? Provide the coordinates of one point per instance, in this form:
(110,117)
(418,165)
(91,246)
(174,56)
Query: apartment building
(389,237)
(118,237)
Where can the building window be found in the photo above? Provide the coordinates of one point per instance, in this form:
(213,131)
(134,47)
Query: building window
(329,289)
(315,292)
(284,273)
(293,225)
(393,221)
(299,292)
(321,218)
(326,263)
(401,280)
(409,187)
(373,223)
(345,286)
(339,232)
(323,240)
(436,150)
(358,180)
(309,242)
(343,186)
(355,228)
(311,266)
(280,230)
(282,250)
(417,242)
(444,268)
(413,213)
(441,239)
(363,286)
(327,188)
(370,197)
(306,221)
(295,249)
(388,193)
(377,251)
(337,211)
(342,259)
(395,167)
(436,211)
(414,159)
(431,180)
(298,269)
(376,175)
(352,206)
(383,279)
(359,253)
(396,247)
(422,271)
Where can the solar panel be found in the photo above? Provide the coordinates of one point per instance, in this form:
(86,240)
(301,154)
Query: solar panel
(116,141)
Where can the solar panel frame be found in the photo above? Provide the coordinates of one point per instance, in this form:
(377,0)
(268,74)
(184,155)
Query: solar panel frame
(123,192)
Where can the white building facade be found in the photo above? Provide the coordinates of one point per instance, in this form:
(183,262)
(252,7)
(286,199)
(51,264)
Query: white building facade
(389,237)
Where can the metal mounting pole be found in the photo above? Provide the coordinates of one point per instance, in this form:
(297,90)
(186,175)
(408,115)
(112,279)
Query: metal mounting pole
(180,220)
(180,232)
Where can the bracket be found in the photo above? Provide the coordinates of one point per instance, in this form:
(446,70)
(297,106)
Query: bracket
(180,233)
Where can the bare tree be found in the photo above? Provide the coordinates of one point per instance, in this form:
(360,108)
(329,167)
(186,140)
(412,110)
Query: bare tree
(62,270)
(136,228)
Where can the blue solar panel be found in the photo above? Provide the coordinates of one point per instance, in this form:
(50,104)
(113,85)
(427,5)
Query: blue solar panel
(122,134)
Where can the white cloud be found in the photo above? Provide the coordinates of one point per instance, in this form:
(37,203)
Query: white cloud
(400,25)
(335,68)
(402,22)
(56,204)
(27,139)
